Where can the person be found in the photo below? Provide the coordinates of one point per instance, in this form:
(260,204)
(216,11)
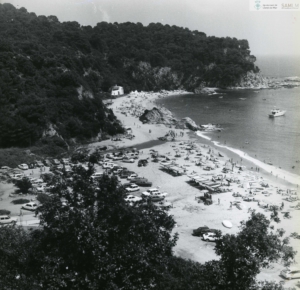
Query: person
(218,201)
(21,213)
(230,204)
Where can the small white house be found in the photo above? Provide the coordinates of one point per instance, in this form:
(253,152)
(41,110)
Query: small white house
(117,91)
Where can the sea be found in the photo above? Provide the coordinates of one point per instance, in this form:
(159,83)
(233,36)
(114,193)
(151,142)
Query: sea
(243,115)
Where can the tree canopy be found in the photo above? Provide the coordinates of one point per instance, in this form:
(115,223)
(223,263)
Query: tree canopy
(90,238)
(57,73)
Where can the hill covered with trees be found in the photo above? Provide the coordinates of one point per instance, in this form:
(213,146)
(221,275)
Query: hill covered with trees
(56,74)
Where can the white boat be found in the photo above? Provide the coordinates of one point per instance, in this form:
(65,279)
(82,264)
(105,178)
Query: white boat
(276,113)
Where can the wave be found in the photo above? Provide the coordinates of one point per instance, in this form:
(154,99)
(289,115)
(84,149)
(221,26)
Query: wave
(202,135)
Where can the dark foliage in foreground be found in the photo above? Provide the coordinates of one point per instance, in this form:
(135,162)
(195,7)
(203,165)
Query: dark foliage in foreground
(91,238)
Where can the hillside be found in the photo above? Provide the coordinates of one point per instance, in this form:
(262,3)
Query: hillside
(54,75)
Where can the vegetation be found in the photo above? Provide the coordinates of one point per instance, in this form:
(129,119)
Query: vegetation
(23,185)
(4,212)
(20,201)
(54,75)
(92,239)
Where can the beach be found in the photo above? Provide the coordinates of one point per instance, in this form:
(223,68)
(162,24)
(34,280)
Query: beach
(191,158)
(188,213)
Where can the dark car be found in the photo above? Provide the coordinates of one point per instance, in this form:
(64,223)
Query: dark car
(141,181)
(204,230)
(142,162)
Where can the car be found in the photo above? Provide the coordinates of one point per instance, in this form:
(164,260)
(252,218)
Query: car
(142,162)
(132,175)
(210,237)
(290,273)
(118,157)
(132,199)
(143,182)
(55,161)
(6,220)
(39,163)
(200,231)
(128,160)
(150,191)
(23,166)
(97,175)
(132,187)
(153,192)
(65,161)
(30,206)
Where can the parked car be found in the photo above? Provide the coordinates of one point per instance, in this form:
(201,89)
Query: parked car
(143,182)
(132,199)
(152,192)
(290,273)
(55,162)
(132,175)
(6,220)
(118,157)
(128,160)
(142,162)
(23,166)
(39,163)
(97,175)
(132,187)
(210,237)
(30,206)
(203,230)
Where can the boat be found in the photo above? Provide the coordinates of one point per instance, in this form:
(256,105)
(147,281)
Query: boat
(276,113)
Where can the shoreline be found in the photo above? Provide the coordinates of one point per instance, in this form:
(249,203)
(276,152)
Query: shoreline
(187,212)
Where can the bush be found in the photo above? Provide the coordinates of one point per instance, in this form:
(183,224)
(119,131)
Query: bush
(20,201)
(4,212)
(42,197)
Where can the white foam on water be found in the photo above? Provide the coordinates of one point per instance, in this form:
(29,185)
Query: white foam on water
(202,135)
(280,173)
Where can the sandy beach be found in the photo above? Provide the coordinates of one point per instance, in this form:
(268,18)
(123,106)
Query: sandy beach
(187,212)
(187,152)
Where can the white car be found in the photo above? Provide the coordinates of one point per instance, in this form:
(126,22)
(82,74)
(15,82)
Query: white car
(153,191)
(97,175)
(39,164)
(30,206)
(132,187)
(6,220)
(133,175)
(131,198)
(290,273)
(23,166)
(211,237)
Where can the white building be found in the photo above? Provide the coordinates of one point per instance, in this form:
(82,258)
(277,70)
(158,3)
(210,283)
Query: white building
(117,91)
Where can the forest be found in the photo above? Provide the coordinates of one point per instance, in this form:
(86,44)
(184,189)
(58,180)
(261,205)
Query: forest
(57,74)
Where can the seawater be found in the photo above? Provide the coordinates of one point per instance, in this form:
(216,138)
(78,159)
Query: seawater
(243,115)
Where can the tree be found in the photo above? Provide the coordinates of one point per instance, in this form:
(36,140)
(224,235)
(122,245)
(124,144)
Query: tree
(94,239)
(254,247)
(24,185)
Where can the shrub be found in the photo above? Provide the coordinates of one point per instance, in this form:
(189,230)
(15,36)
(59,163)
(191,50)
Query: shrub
(20,201)
(4,212)
(42,197)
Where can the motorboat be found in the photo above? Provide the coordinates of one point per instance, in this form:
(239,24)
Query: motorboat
(276,113)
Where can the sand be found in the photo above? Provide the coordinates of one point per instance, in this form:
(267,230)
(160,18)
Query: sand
(187,212)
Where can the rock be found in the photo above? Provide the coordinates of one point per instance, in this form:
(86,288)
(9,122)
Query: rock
(158,116)
(187,123)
